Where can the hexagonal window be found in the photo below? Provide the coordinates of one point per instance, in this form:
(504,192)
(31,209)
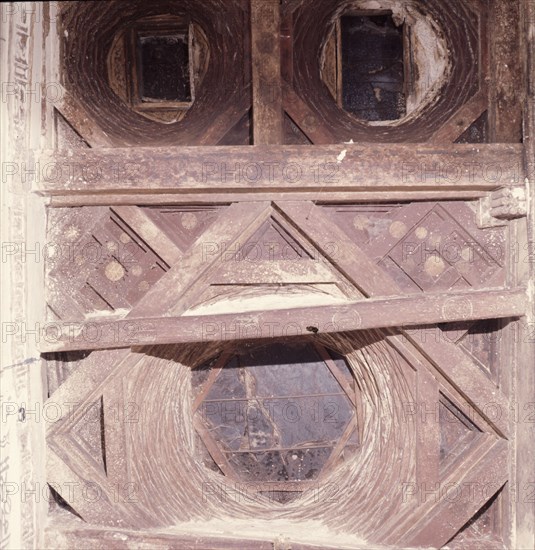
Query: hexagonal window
(282,415)
(157,64)
(381,65)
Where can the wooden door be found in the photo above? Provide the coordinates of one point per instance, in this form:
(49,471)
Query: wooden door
(312,332)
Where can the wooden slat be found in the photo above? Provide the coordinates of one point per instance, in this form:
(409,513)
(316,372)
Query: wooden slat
(523,454)
(462,119)
(210,248)
(436,523)
(273,272)
(427,429)
(139,222)
(266,65)
(287,42)
(463,372)
(214,449)
(66,534)
(330,196)
(271,169)
(309,123)
(225,121)
(115,408)
(506,79)
(333,242)
(77,116)
(354,315)
(481,395)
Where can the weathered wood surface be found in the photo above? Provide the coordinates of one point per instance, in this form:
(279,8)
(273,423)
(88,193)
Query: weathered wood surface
(319,197)
(444,517)
(66,535)
(462,119)
(345,167)
(266,68)
(304,117)
(522,511)
(75,113)
(102,332)
(226,84)
(506,78)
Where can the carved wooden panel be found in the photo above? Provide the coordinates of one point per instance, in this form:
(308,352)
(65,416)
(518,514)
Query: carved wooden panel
(414,427)
(390,431)
(413,405)
(113,260)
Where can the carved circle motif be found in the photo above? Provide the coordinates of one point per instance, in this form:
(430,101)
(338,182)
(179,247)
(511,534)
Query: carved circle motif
(458,31)
(89,31)
(163,385)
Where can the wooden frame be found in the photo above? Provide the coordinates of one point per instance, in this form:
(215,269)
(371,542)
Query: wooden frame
(127,180)
(178,27)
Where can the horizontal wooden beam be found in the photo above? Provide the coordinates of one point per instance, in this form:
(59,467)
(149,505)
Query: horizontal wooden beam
(321,169)
(112,332)
(318,197)
(65,535)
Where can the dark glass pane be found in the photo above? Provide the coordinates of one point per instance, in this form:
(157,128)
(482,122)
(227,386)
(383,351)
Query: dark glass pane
(277,412)
(164,64)
(372,67)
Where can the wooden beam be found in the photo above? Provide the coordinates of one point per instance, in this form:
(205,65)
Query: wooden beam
(136,218)
(506,79)
(274,272)
(60,201)
(521,349)
(266,65)
(111,332)
(462,119)
(233,226)
(318,227)
(272,169)
(226,121)
(438,518)
(66,534)
(76,115)
(307,120)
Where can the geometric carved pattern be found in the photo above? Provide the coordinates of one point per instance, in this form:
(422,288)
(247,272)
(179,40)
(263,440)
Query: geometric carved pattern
(429,247)
(109,259)
(278,414)
(415,432)
(418,420)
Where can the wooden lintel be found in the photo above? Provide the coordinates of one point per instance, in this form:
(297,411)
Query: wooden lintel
(266,77)
(67,534)
(113,332)
(329,197)
(274,169)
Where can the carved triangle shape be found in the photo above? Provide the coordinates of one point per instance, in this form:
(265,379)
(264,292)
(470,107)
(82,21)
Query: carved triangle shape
(183,224)
(274,268)
(67,136)
(87,432)
(457,432)
(272,242)
(481,342)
